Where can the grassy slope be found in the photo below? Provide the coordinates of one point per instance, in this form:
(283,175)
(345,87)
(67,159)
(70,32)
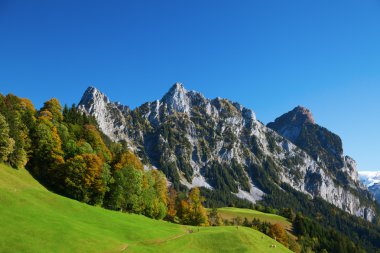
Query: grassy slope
(231,212)
(35,220)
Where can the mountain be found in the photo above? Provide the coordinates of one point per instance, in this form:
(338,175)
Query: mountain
(221,146)
(371,179)
(323,146)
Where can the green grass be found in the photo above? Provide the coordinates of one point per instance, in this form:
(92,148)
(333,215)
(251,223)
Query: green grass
(232,212)
(32,219)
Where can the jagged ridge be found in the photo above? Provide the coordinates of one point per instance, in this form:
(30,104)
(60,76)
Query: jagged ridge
(219,144)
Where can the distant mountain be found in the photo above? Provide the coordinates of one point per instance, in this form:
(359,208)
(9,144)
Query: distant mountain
(371,179)
(221,146)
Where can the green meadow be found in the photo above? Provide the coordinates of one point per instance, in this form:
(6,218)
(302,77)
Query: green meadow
(35,220)
(232,212)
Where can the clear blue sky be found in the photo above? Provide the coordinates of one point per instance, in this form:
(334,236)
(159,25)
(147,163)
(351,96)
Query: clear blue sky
(268,55)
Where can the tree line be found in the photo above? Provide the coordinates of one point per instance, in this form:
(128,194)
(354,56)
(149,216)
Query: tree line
(66,152)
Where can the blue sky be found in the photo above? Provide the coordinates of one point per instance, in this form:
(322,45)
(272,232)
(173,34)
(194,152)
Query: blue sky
(268,55)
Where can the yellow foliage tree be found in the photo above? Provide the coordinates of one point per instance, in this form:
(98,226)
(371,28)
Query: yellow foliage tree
(278,233)
(94,138)
(126,159)
(192,210)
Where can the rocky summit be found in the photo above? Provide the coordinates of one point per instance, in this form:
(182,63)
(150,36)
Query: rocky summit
(221,146)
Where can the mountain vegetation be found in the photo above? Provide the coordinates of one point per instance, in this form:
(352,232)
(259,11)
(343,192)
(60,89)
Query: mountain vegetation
(172,164)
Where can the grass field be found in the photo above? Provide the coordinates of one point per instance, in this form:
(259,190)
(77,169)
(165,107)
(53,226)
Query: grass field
(32,219)
(231,212)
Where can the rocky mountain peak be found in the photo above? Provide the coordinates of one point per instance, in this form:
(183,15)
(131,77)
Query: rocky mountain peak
(177,99)
(97,104)
(289,124)
(178,88)
(93,95)
(302,115)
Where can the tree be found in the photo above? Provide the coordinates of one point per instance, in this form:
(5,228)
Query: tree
(172,205)
(278,233)
(47,152)
(126,190)
(126,159)
(84,178)
(192,211)
(6,143)
(214,218)
(159,185)
(93,137)
(18,114)
(54,107)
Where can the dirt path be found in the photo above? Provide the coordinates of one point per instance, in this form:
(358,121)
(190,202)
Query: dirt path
(159,241)
(124,248)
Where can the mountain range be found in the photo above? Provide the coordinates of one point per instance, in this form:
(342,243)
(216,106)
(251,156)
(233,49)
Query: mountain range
(371,179)
(219,145)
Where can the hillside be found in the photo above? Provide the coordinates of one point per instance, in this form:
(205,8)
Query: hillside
(36,220)
(232,212)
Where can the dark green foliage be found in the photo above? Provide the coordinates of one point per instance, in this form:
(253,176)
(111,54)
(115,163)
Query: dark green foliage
(361,232)
(126,190)
(171,172)
(265,175)
(222,198)
(221,178)
(319,239)
(73,116)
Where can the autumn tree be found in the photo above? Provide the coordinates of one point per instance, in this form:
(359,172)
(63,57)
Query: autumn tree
(84,178)
(47,157)
(192,211)
(126,159)
(171,214)
(94,138)
(278,233)
(54,107)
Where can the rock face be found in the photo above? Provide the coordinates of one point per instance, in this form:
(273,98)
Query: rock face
(220,145)
(290,124)
(323,146)
(371,180)
(110,116)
